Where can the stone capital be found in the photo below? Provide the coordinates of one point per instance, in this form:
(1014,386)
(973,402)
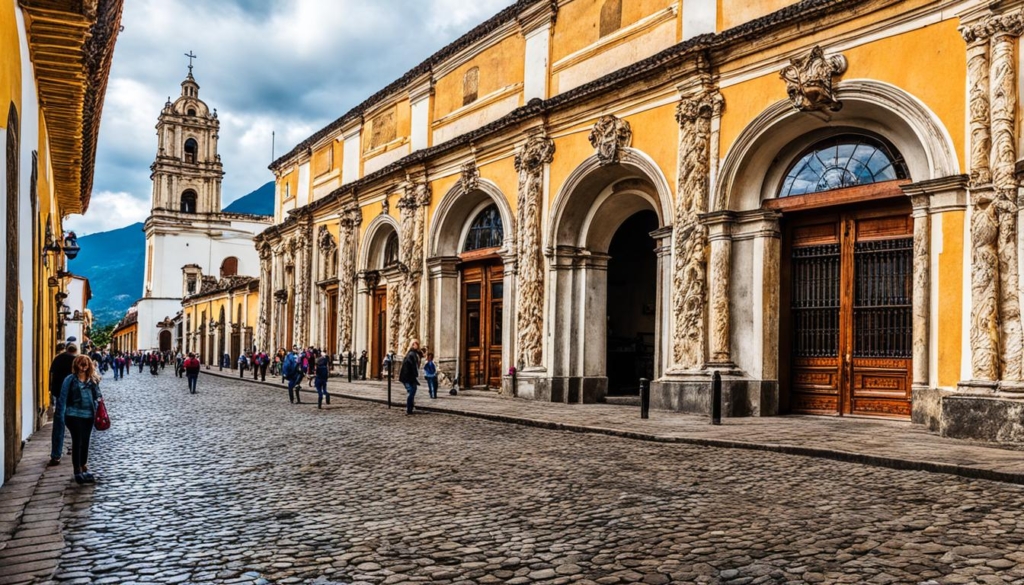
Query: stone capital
(809,80)
(538,151)
(609,136)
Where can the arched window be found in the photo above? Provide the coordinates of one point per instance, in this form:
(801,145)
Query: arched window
(391,250)
(191,150)
(486,231)
(191,111)
(188,201)
(611,16)
(229,267)
(843,161)
(471,86)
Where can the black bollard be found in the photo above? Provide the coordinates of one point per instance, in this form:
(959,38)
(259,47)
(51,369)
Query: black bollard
(716,398)
(350,367)
(390,361)
(645,398)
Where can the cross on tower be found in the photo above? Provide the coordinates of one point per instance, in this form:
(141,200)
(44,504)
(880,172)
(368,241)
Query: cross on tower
(190,56)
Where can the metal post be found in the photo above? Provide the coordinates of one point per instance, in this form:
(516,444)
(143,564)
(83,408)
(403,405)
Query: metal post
(391,360)
(350,367)
(645,398)
(716,398)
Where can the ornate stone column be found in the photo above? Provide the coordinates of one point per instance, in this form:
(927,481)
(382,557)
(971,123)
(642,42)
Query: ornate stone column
(719,225)
(978,105)
(922,288)
(394,314)
(530,162)
(689,278)
(303,276)
(348,241)
(412,209)
(266,296)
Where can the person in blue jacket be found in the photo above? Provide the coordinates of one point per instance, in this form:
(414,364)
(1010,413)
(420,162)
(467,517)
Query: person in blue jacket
(76,406)
(323,370)
(430,374)
(291,371)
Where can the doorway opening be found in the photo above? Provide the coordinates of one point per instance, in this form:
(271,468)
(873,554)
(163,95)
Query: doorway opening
(631,304)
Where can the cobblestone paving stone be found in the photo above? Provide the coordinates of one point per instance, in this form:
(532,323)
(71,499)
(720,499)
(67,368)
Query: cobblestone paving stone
(236,485)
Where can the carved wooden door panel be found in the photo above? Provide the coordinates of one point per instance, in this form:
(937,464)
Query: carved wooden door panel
(850,313)
(378,333)
(482,310)
(331,345)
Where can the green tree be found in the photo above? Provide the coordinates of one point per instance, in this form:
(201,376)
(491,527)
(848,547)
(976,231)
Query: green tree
(100,336)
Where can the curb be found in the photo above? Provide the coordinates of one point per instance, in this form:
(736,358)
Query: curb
(832,454)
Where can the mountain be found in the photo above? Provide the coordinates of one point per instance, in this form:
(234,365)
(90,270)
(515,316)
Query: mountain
(259,202)
(113,262)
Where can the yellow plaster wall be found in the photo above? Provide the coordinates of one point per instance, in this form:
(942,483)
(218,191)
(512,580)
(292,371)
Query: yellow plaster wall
(10,63)
(935,48)
(503,174)
(252,316)
(579,22)
(500,66)
(649,137)
(570,151)
(950,301)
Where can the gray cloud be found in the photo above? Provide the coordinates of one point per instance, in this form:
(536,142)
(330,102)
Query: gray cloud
(266,65)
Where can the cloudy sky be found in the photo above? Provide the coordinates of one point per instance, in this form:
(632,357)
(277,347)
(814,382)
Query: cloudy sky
(289,66)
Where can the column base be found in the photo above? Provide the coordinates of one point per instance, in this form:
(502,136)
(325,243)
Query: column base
(567,390)
(691,393)
(998,418)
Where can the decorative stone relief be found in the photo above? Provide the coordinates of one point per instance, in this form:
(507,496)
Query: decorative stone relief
(470,178)
(984,293)
(385,207)
(809,80)
(326,245)
(412,209)
(303,255)
(263,325)
(394,318)
(689,278)
(609,136)
(351,218)
(529,162)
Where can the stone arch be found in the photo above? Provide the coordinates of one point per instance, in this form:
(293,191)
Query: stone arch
(573,212)
(375,238)
(756,162)
(593,204)
(457,209)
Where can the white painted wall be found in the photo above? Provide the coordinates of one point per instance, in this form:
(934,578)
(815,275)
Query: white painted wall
(350,164)
(699,17)
(420,124)
(538,54)
(28,141)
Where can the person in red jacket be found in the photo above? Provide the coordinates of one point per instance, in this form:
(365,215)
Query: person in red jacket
(191,366)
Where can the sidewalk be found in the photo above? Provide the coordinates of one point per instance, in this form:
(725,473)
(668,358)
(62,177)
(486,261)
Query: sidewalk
(31,503)
(894,444)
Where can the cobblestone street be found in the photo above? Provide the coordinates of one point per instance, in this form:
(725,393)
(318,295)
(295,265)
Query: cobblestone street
(236,485)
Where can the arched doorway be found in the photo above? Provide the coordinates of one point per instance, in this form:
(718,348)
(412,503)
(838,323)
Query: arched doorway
(221,336)
(631,302)
(165,340)
(599,343)
(380,265)
(483,291)
(847,283)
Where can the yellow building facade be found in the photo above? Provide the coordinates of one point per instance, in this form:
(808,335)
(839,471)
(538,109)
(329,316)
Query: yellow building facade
(54,63)
(220,319)
(817,200)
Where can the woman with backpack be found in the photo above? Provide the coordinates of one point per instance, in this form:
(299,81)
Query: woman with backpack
(76,406)
(323,370)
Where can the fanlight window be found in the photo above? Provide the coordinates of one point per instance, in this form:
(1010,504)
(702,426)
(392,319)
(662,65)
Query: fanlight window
(191,150)
(843,161)
(486,231)
(391,250)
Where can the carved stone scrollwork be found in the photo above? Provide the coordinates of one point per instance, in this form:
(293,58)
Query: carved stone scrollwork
(689,278)
(609,136)
(303,277)
(809,80)
(351,218)
(412,207)
(529,163)
(470,178)
(265,299)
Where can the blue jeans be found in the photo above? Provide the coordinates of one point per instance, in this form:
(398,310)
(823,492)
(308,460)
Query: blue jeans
(410,400)
(192,383)
(115,373)
(431,386)
(295,383)
(321,388)
(57,437)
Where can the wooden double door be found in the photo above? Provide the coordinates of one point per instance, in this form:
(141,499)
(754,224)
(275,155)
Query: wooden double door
(850,279)
(483,291)
(379,332)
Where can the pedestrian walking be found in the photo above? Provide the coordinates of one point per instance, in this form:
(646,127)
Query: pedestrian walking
(242,363)
(60,368)
(362,365)
(76,406)
(322,371)
(430,374)
(191,366)
(291,369)
(409,375)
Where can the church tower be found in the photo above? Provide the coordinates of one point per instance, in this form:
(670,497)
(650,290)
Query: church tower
(187,172)
(190,241)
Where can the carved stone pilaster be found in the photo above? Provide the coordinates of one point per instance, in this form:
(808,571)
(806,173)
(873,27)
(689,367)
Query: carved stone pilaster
(984,288)
(530,160)
(265,298)
(326,246)
(719,226)
(412,208)
(303,278)
(394,316)
(689,278)
(978,106)
(921,307)
(351,218)
(609,136)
